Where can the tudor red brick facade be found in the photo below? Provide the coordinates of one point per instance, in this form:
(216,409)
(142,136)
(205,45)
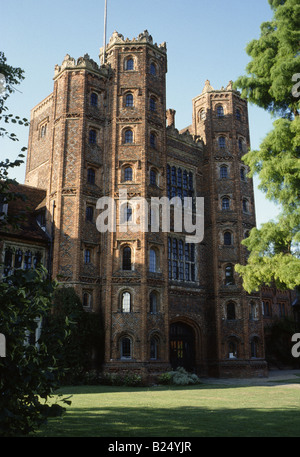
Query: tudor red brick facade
(165,302)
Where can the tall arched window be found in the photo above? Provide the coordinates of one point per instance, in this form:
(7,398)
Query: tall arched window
(152,104)
(254,347)
(129,100)
(152,69)
(126,264)
(222,142)
(153,177)
(243,176)
(92,136)
(153,303)
(240,145)
(152,140)
(245,205)
(94,99)
(154,348)
(152,261)
(129,64)
(220,111)
(126,213)
(128,174)
(225,204)
(223,172)
(232,348)
(229,277)
(89,213)
(230,311)
(238,114)
(126,302)
(126,348)
(227,239)
(128,136)
(91,176)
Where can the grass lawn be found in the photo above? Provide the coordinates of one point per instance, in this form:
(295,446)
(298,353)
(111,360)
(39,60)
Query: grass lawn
(201,411)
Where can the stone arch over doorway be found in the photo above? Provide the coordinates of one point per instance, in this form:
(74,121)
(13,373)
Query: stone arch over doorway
(185,344)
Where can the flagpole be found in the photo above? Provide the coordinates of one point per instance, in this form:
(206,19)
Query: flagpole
(104,34)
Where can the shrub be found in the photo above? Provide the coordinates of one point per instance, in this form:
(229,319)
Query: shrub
(179,377)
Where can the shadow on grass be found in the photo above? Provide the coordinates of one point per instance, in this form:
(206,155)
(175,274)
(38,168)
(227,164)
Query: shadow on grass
(148,420)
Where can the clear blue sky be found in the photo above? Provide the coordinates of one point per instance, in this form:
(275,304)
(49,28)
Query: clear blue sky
(206,39)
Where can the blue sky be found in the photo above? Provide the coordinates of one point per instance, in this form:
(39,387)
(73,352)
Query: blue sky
(206,39)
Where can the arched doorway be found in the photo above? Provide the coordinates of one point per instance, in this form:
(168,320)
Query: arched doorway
(182,346)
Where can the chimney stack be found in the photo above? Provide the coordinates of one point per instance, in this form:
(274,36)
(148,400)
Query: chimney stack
(170,115)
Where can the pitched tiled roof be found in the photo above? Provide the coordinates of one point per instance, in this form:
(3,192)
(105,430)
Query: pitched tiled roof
(33,199)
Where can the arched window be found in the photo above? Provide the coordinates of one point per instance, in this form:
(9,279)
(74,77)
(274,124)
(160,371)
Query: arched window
(126,258)
(227,239)
(223,172)
(128,136)
(126,213)
(240,145)
(129,64)
(91,176)
(252,311)
(129,100)
(243,176)
(254,347)
(128,174)
(238,114)
(153,177)
(232,348)
(152,140)
(153,303)
(126,348)
(152,104)
(154,348)
(229,277)
(87,256)
(89,212)
(220,111)
(94,99)
(222,142)
(87,299)
(92,136)
(230,311)
(152,261)
(225,204)
(245,205)
(126,302)
(152,69)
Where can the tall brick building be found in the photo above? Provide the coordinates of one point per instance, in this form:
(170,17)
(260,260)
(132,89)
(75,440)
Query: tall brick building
(165,302)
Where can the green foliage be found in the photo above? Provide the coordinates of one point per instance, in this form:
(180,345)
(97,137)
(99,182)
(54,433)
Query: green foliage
(274,248)
(128,379)
(81,331)
(179,377)
(29,373)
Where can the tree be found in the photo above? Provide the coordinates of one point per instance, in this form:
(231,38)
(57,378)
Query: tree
(29,372)
(10,77)
(274,255)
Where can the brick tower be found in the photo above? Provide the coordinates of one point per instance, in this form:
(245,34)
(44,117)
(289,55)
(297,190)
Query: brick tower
(105,132)
(220,117)
(135,288)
